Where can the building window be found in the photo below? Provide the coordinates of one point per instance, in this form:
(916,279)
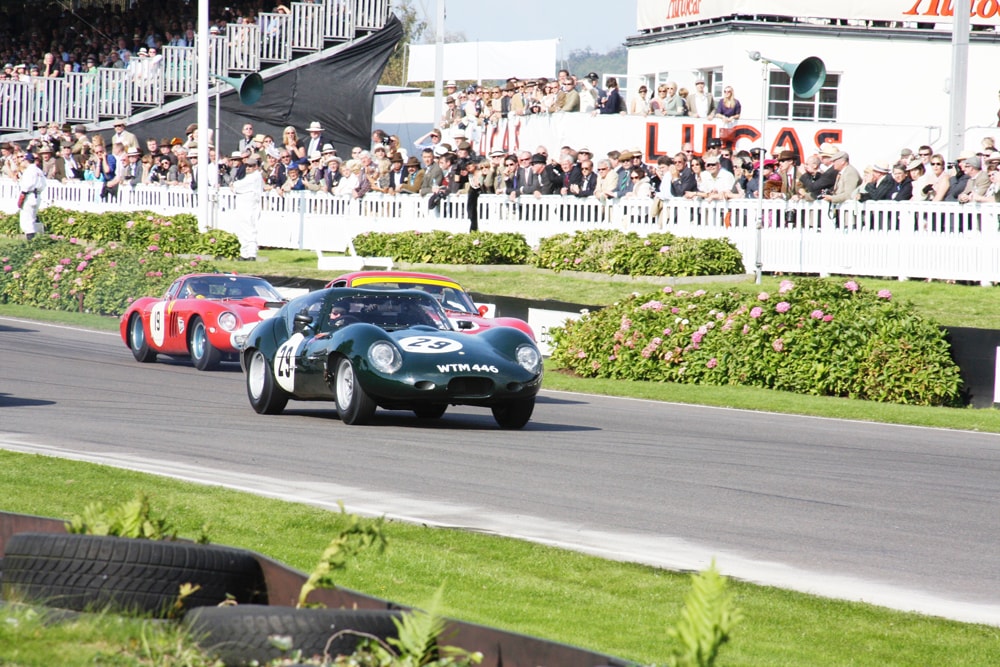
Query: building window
(784,105)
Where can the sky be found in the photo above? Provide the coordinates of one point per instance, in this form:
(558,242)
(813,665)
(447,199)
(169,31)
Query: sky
(599,24)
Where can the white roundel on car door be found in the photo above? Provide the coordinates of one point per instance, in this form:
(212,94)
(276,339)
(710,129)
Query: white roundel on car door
(284,362)
(158,323)
(429,344)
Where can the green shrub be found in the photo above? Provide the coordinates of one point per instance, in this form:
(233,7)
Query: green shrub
(439,247)
(614,252)
(813,337)
(140,230)
(68,275)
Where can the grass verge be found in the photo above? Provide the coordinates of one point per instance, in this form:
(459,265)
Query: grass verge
(618,608)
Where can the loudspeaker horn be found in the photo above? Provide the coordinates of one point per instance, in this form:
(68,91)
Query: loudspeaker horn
(249,88)
(807,77)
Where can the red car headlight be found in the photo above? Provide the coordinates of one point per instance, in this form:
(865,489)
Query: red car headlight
(228,321)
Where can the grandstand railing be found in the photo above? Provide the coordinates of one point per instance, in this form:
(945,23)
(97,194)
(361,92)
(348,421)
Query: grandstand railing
(112,92)
(944,241)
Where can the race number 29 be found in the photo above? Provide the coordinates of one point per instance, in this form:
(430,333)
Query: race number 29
(429,345)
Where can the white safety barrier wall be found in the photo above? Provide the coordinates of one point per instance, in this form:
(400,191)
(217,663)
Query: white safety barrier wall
(48,101)
(115,97)
(243,40)
(275,47)
(339,20)
(81,97)
(945,241)
(16,105)
(307,26)
(371,14)
(147,81)
(180,69)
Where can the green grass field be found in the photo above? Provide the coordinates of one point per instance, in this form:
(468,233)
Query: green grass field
(617,608)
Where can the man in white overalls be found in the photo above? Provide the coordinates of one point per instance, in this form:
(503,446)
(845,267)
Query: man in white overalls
(31,183)
(249,191)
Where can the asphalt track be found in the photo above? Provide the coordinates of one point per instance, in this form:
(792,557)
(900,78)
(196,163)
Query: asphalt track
(898,516)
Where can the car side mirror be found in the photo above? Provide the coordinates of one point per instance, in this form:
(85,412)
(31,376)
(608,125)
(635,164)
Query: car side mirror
(483,309)
(302,321)
(465,324)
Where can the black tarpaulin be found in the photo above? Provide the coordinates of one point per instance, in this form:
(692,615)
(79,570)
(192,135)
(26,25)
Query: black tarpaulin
(336,91)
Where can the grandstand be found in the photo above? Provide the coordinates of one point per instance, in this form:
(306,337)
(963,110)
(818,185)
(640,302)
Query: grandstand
(320,62)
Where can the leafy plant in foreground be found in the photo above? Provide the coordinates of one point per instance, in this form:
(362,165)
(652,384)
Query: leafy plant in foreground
(133,518)
(706,622)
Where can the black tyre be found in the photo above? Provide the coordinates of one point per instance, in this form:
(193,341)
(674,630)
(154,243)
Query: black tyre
(514,414)
(430,411)
(354,405)
(91,572)
(266,397)
(206,357)
(240,635)
(137,340)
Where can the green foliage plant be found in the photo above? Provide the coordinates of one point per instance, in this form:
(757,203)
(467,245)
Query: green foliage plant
(358,535)
(440,247)
(139,230)
(56,273)
(133,518)
(615,252)
(707,621)
(813,336)
(416,646)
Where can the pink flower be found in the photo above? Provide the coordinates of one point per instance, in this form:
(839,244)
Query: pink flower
(763,296)
(153,248)
(55,295)
(668,289)
(212,240)
(581,355)
(816,314)
(778,345)
(664,249)
(65,261)
(74,240)
(130,224)
(626,324)
(667,331)
(81,266)
(851,286)
(783,307)
(70,221)
(112,264)
(700,292)
(697,337)
(58,269)
(785,286)
(577,261)
(7,268)
(828,318)
(652,305)
(647,242)
(474,242)
(884,294)
(675,310)
(712,363)
(756,312)
(746,329)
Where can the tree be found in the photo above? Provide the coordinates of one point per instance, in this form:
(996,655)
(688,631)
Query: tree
(414,27)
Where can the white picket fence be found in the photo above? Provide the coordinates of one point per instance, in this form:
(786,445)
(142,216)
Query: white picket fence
(945,241)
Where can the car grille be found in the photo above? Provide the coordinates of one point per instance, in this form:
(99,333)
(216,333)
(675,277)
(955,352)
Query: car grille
(470,386)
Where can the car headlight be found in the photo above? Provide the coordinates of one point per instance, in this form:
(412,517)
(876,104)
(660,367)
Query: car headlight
(385,357)
(228,321)
(529,358)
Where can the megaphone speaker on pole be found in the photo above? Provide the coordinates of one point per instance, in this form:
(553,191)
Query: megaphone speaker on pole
(249,88)
(807,77)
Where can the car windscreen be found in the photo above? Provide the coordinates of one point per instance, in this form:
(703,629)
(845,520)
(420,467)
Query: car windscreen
(449,295)
(387,311)
(230,287)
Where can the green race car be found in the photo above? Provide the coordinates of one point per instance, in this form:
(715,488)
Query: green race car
(394,349)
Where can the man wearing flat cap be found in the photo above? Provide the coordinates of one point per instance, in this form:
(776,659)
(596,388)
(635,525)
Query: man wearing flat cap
(848,179)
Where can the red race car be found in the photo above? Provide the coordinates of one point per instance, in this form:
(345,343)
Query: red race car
(466,316)
(206,316)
